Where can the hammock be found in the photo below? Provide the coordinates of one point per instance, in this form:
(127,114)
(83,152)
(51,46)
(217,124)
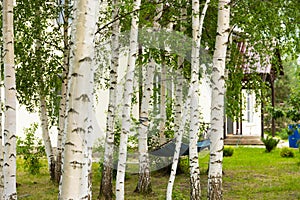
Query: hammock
(167,149)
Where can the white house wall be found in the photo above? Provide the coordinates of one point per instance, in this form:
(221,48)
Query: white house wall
(205,96)
(251,125)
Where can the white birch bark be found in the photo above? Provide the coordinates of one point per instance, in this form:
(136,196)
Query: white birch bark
(163,88)
(1,139)
(75,173)
(178,142)
(163,101)
(63,101)
(144,183)
(10,191)
(46,136)
(178,103)
(44,123)
(193,107)
(128,92)
(195,190)
(180,118)
(179,81)
(106,189)
(217,110)
(1,145)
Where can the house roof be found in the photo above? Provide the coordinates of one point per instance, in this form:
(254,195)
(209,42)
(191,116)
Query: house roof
(253,62)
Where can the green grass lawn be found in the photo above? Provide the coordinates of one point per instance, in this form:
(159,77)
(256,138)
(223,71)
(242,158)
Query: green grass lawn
(249,174)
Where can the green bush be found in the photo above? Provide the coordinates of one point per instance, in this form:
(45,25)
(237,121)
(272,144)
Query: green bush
(31,149)
(228,151)
(270,143)
(283,134)
(177,194)
(287,152)
(184,165)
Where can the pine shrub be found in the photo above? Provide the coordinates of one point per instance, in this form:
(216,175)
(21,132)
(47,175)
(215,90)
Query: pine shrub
(270,143)
(228,151)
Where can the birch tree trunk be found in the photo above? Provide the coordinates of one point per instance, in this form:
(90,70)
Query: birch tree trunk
(9,168)
(1,145)
(64,88)
(178,103)
(128,92)
(75,173)
(217,111)
(189,106)
(163,101)
(179,80)
(106,191)
(177,147)
(1,139)
(144,183)
(195,190)
(46,136)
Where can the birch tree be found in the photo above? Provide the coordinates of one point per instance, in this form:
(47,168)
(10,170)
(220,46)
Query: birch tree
(179,82)
(195,189)
(46,137)
(1,115)
(64,88)
(1,141)
(217,110)
(192,105)
(177,148)
(35,55)
(107,172)
(1,153)
(163,100)
(144,183)
(9,168)
(128,92)
(75,173)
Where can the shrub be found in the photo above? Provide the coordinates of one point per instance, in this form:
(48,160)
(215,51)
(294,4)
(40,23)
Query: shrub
(228,151)
(184,165)
(270,143)
(177,194)
(31,149)
(283,134)
(286,152)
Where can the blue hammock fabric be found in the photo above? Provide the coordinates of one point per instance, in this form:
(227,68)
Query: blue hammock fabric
(168,149)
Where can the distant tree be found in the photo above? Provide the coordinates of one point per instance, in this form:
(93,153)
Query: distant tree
(106,189)
(128,94)
(261,24)
(292,106)
(39,66)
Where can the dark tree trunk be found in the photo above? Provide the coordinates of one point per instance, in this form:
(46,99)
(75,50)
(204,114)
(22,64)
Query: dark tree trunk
(58,168)
(106,192)
(273,129)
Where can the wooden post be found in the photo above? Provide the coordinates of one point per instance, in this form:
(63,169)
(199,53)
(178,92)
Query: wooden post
(272,78)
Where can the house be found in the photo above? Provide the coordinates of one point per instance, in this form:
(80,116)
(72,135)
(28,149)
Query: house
(251,120)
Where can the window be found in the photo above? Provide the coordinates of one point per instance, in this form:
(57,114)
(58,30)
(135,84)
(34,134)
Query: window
(250,106)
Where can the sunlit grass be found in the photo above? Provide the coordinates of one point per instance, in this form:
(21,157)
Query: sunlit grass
(35,187)
(250,173)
